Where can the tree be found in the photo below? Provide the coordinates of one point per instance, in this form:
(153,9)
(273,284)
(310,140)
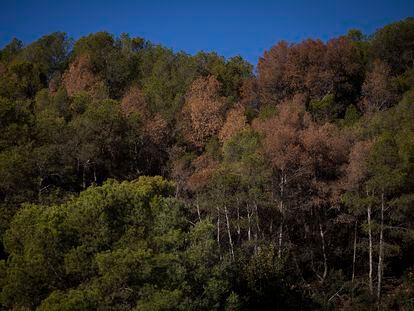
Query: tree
(51,52)
(80,77)
(313,69)
(120,245)
(393,44)
(203,111)
(235,122)
(378,90)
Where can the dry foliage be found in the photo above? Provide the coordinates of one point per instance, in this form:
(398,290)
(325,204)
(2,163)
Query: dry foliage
(249,94)
(80,77)
(134,102)
(282,134)
(203,111)
(358,163)
(204,168)
(377,89)
(235,122)
(310,67)
(156,129)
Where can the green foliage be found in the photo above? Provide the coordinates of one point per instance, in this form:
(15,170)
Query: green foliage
(392,44)
(11,50)
(324,109)
(405,81)
(277,223)
(267,112)
(120,245)
(50,52)
(352,115)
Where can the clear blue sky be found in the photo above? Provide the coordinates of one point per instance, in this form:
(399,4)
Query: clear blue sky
(227,27)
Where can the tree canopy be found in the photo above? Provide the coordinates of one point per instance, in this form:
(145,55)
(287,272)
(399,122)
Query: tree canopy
(134,177)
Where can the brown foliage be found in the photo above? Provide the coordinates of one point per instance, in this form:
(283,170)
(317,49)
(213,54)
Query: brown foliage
(156,129)
(134,102)
(80,77)
(377,89)
(180,165)
(249,93)
(235,122)
(310,67)
(282,134)
(305,153)
(271,74)
(204,168)
(358,166)
(203,111)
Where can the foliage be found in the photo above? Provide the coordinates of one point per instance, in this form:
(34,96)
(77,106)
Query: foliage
(291,189)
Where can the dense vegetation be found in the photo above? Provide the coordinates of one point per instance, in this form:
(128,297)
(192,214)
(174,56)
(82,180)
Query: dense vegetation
(134,177)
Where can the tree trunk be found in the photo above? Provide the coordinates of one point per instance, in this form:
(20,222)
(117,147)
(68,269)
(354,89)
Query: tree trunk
(94,173)
(370,249)
(198,209)
(257,218)
(177,189)
(83,177)
(218,227)
(282,188)
(229,232)
(354,255)
(238,223)
(381,249)
(249,235)
(39,194)
(271,227)
(325,260)
(279,252)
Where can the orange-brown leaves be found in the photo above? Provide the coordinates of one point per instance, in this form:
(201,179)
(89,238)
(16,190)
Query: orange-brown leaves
(310,67)
(204,168)
(134,102)
(249,95)
(271,74)
(358,165)
(326,153)
(325,145)
(203,111)
(304,153)
(235,122)
(81,78)
(377,89)
(282,135)
(156,129)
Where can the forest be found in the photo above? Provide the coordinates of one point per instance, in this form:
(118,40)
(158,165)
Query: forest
(135,177)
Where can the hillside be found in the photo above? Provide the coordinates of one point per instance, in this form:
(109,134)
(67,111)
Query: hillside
(133,177)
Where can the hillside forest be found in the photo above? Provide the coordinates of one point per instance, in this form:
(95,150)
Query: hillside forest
(135,177)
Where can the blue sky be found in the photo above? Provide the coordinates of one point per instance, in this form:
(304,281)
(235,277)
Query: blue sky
(228,27)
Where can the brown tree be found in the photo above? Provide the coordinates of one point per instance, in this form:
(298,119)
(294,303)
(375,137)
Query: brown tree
(235,122)
(249,94)
(271,74)
(311,68)
(325,155)
(80,77)
(203,111)
(156,129)
(284,151)
(307,161)
(377,90)
(134,102)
